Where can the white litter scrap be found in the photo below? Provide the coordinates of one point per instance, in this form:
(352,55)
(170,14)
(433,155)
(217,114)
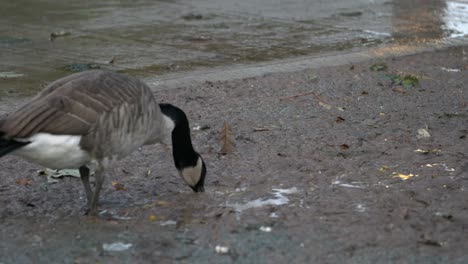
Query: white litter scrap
(54,175)
(423,133)
(266,229)
(168,222)
(279,199)
(450,70)
(443,165)
(347,185)
(360,208)
(221,249)
(117,246)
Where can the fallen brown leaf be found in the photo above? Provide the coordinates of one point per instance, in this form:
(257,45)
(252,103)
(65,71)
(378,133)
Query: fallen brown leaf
(25,182)
(226,139)
(118,186)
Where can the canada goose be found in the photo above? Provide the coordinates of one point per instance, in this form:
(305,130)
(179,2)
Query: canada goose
(97,117)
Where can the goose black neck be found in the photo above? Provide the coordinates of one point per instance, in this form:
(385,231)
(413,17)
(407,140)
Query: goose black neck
(182,149)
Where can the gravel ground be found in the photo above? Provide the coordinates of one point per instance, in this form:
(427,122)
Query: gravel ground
(331,165)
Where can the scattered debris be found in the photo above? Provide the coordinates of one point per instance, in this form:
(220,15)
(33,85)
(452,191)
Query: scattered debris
(25,182)
(118,186)
(339,119)
(261,129)
(266,229)
(54,175)
(274,215)
(444,215)
(399,89)
(168,222)
(403,176)
(360,208)
(199,128)
(379,66)
(383,168)
(117,246)
(446,168)
(8,75)
(408,81)
(325,105)
(344,146)
(450,70)
(58,34)
(430,242)
(162,203)
(192,16)
(351,14)
(427,151)
(296,95)
(423,133)
(221,249)
(200,38)
(347,185)
(226,139)
(279,199)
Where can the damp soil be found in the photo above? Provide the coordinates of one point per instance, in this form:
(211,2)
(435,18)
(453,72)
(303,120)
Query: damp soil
(331,165)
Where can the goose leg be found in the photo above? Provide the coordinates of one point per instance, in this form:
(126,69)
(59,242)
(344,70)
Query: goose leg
(84,175)
(99,176)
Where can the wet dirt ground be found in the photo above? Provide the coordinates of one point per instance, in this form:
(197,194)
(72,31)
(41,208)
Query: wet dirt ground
(331,165)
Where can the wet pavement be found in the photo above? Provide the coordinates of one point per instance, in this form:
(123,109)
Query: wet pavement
(43,40)
(340,155)
(338,164)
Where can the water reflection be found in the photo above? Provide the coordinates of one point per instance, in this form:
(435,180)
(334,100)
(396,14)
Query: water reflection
(422,21)
(456,18)
(418,21)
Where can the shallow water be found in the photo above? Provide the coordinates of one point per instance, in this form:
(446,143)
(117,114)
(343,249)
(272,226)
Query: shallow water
(44,40)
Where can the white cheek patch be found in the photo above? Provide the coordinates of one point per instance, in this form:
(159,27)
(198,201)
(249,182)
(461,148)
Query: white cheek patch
(192,175)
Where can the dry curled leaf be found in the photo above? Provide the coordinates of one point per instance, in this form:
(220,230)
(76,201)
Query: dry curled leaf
(226,139)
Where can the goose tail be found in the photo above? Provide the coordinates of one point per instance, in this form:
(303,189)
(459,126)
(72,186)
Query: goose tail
(9,145)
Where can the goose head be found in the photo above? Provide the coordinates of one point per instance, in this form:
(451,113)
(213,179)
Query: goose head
(188,162)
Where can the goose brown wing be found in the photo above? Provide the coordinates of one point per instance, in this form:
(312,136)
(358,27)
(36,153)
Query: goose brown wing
(72,105)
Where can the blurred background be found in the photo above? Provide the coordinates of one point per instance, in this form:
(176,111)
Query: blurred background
(41,40)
